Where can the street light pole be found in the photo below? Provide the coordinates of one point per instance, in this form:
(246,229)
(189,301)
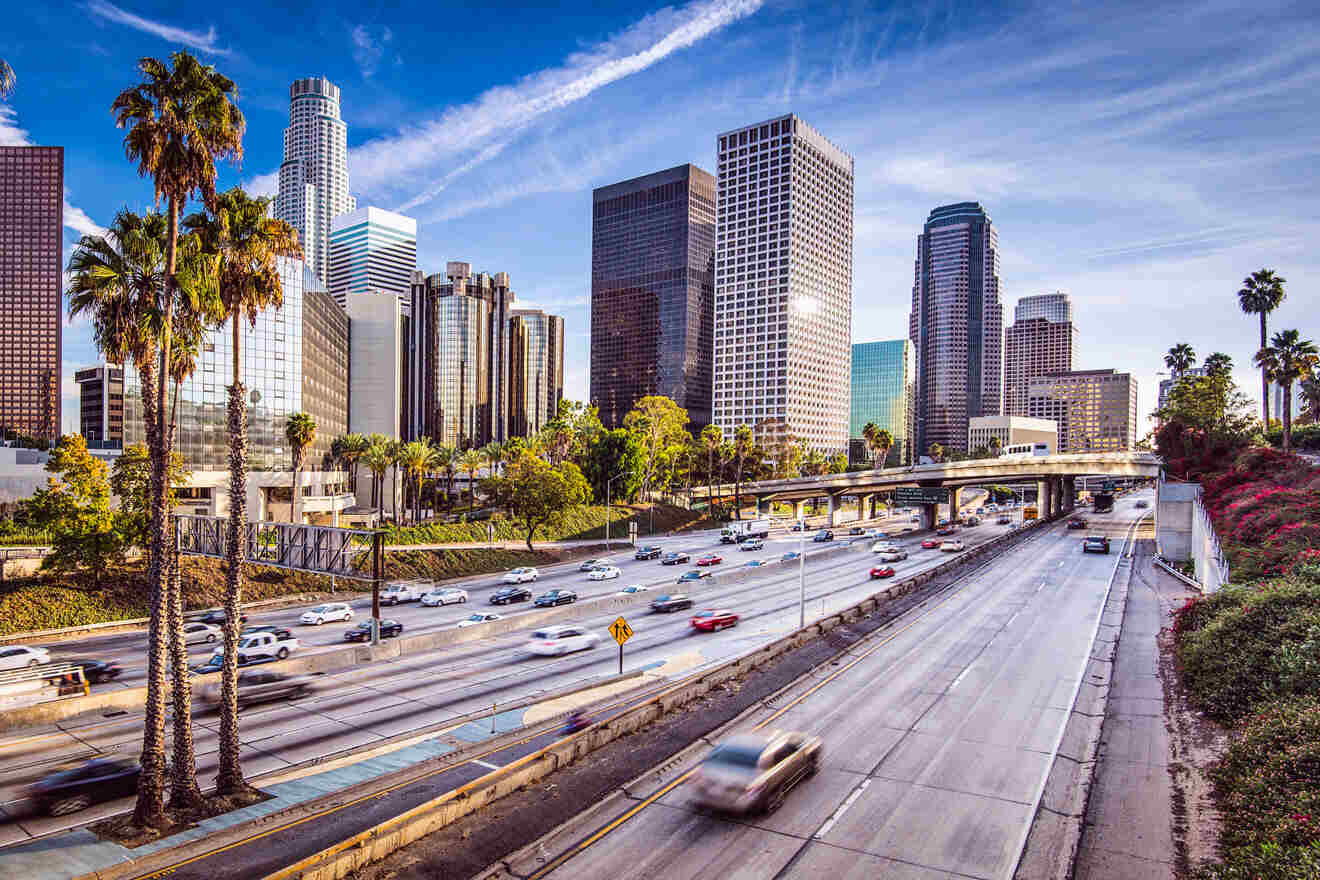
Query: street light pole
(802,578)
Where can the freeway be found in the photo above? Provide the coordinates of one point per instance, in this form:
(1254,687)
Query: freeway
(937,736)
(363,705)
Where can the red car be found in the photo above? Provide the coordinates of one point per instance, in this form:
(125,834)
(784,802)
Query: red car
(712,559)
(930,544)
(710,621)
(882,571)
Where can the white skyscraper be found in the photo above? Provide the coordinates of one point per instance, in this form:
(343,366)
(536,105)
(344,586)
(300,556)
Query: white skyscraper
(783,284)
(371,249)
(314,174)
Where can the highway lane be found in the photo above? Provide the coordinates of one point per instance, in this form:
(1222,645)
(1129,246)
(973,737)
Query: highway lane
(368,703)
(937,738)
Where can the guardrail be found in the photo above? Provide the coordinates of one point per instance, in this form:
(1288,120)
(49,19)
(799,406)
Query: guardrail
(1191,582)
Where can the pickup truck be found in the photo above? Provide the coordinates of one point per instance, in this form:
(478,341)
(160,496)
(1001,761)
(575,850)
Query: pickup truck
(405,591)
(263,646)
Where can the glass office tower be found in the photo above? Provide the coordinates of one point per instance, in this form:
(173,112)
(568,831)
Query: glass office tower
(536,370)
(883,380)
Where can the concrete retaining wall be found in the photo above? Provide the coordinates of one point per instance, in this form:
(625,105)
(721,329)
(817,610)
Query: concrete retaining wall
(1184,532)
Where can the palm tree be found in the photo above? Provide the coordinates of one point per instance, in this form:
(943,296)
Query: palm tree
(937,452)
(884,441)
(1180,359)
(392,447)
(300,431)
(869,432)
(7,79)
(711,438)
(180,120)
(492,453)
(378,459)
(470,462)
(1262,293)
(1218,364)
(351,449)
(415,456)
(1311,400)
(742,447)
(446,461)
(248,244)
(1288,359)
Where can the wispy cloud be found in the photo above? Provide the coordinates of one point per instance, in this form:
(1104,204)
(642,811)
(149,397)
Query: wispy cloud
(367,49)
(203,42)
(76,219)
(11,135)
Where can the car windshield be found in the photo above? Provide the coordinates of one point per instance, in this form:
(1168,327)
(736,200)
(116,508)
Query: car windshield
(705,614)
(476,617)
(735,755)
(321,609)
(545,634)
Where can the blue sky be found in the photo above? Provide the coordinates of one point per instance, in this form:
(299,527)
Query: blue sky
(1144,156)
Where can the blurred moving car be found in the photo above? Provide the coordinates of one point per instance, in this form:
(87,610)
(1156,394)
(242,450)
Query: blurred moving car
(882,571)
(674,558)
(326,613)
(510,594)
(200,633)
(217,618)
(362,632)
(1142,503)
(603,573)
(1005,520)
(591,564)
(885,547)
(520,576)
(670,603)
(479,617)
(255,686)
(447,596)
(554,640)
(752,544)
(689,576)
(713,621)
(632,589)
(396,592)
(20,656)
(576,720)
(798,526)
(276,645)
(1076,523)
(945,531)
(952,547)
(1095,544)
(711,559)
(77,788)
(790,556)
(856,530)
(555,597)
(823,536)
(893,554)
(930,544)
(753,772)
(650,551)
(98,671)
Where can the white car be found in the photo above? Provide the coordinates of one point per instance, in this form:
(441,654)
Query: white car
(326,613)
(952,547)
(633,589)
(892,555)
(603,573)
(21,656)
(520,576)
(265,645)
(479,618)
(447,596)
(561,640)
(194,633)
(885,547)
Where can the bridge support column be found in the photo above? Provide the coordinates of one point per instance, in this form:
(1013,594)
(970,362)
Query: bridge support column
(829,521)
(929,514)
(1043,498)
(1069,494)
(865,506)
(799,510)
(1056,495)
(955,502)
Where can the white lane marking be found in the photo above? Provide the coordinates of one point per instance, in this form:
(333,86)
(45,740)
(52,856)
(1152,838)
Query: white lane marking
(1060,563)
(1013,618)
(843,808)
(1041,587)
(960,677)
(485,764)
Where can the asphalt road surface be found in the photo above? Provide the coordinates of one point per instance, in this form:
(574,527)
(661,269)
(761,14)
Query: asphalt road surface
(936,743)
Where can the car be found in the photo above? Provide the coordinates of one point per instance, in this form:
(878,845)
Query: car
(893,555)
(554,640)
(77,788)
(217,618)
(1076,523)
(258,686)
(21,656)
(670,602)
(944,521)
(711,559)
(276,644)
(648,552)
(753,545)
(952,547)
(594,563)
(790,556)
(479,618)
(555,597)
(604,573)
(752,563)
(754,772)
(447,596)
(362,632)
(930,544)
(873,533)
(822,537)
(279,631)
(1142,503)
(200,633)
(520,576)
(882,571)
(713,621)
(633,589)
(508,595)
(945,531)
(674,558)
(1095,544)
(1005,520)
(915,519)
(798,526)
(97,671)
(689,576)
(856,530)
(328,612)
(980,510)
(973,520)
(396,592)
(885,547)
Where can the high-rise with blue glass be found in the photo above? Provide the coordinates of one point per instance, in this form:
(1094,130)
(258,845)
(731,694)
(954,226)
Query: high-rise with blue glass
(956,325)
(883,376)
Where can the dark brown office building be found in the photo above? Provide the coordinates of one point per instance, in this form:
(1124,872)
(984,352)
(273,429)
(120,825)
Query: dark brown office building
(101,406)
(31,226)
(652,292)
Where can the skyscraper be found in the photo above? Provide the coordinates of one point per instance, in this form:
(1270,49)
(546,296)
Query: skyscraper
(783,284)
(1096,410)
(458,357)
(31,225)
(652,294)
(371,249)
(536,370)
(956,325)
(1040,340)
(101,406)
(882,392)
(314,173)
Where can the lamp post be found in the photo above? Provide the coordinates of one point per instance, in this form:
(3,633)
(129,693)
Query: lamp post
(802,578)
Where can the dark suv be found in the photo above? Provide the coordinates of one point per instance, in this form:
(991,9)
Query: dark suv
(675,558)
(649,552)
(1095,544)
(510,594)
(669,604)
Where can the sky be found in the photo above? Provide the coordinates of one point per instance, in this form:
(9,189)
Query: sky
(1144,157)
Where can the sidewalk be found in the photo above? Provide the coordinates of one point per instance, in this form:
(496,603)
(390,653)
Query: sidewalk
(1129,819)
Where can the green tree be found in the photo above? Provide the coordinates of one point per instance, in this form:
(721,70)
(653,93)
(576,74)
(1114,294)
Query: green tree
(470,462)
(415,457)
(492,454)
(659,424)
(936,452)
(444,458)
(1218,362)
(75,509)
(534,491)
(838,463)
(378,459)
(609,455)
(814,463)
(742,447)
(711,438)
(1261,293)
(1204,421)
(996,446)
(1311,400)
(1287,360)
(130,479)
(300,431)
(1179,359)
(179,121)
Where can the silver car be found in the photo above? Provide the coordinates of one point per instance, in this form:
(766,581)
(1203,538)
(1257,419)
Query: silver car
(754,772)
(200,633)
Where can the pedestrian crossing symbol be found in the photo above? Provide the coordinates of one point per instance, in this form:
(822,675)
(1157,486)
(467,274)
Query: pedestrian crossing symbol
(621,631)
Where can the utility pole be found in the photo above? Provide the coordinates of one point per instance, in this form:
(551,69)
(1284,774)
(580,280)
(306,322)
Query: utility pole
(802,578)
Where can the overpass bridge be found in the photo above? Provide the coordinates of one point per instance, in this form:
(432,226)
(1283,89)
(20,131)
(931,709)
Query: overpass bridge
(1054,476)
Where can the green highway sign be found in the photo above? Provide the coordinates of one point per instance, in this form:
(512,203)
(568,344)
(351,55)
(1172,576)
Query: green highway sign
(920,495)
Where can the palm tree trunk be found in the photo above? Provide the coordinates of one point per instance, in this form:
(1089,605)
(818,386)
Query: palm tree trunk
(1264,381)
(229,776)
(184,791)
(1287,418)
(293,490)
(394,492)
(737,490)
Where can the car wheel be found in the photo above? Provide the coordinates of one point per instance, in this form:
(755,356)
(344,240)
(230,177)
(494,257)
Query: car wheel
(32,664)
(320,620)
(463,600)
(65,806)
(775,800)
(282,653)
(210,637)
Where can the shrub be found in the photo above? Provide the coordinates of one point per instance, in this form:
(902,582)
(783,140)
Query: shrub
(1266,861)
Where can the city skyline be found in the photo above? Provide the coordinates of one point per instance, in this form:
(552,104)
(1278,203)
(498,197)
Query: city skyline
(1114,217)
